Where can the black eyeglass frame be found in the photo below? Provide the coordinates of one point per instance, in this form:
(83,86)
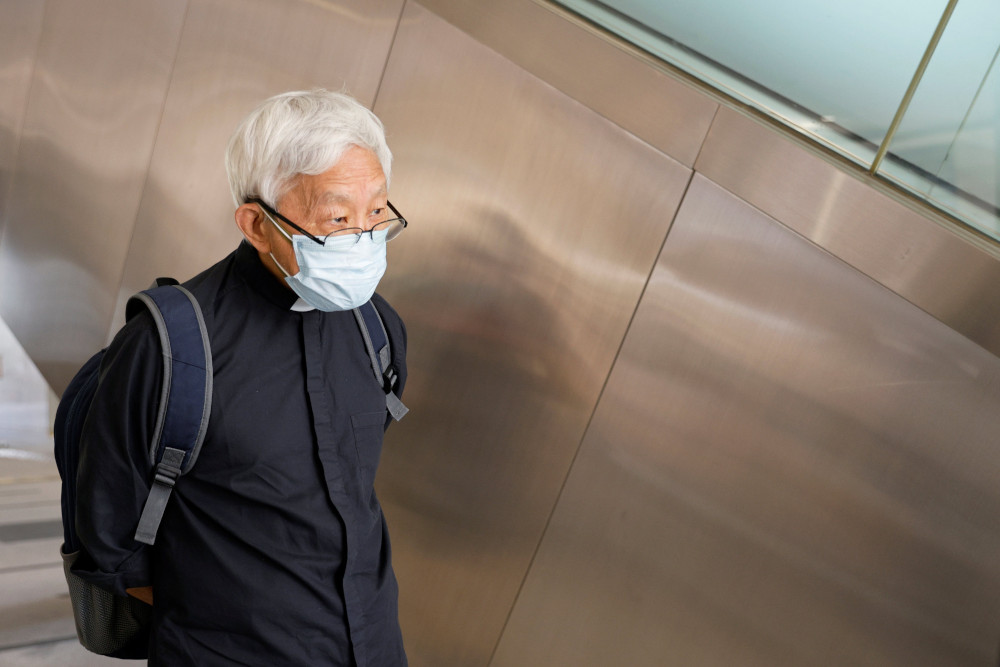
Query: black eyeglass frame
(260,202)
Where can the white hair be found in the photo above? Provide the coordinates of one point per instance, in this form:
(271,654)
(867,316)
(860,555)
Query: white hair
(301,132)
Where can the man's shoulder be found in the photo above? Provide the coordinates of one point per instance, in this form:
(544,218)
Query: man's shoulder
(207,284)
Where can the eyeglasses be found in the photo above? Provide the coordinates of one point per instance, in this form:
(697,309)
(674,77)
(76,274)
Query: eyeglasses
(393,227)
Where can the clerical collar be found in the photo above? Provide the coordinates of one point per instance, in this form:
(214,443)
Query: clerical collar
(301,306)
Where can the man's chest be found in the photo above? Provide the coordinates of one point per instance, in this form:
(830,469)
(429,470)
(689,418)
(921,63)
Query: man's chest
(291,395)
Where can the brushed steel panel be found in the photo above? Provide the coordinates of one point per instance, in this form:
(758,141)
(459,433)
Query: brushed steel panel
(646,97)
(790,465)
(20,31)
(535,223)
(929,262)
(233,55)
(97,91)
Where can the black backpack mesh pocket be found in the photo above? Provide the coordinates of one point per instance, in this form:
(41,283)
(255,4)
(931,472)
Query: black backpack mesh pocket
(106,623)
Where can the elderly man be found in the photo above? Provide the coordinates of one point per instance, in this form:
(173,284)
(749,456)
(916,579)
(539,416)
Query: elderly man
(273,549)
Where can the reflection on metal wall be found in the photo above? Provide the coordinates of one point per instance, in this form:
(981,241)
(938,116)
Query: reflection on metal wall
(517,280)
(87,135)
(919,258)
(789,466)
(648,101)
(790,463)
(19,34)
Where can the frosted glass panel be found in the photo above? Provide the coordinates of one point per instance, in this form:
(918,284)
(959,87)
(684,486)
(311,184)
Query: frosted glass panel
(948,146)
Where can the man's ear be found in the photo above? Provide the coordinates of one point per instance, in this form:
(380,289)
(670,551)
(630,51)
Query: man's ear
(251,222)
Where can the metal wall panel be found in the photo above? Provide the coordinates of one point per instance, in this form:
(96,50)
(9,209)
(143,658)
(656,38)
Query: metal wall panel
(535,223)
(928,262)
(97,91)
(790,465)
(20,30)
(233,55)
(648,99)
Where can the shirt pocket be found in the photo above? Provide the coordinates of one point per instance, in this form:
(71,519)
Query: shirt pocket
(368,428)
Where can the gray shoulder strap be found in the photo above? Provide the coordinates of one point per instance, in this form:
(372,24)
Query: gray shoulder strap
(377,343)
(185,396)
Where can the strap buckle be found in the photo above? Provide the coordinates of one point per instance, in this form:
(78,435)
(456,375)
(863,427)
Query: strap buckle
(389,379)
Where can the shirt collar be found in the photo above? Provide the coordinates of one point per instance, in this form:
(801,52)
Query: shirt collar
(263,282)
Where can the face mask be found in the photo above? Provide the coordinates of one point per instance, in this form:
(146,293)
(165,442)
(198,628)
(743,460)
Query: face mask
(340,275)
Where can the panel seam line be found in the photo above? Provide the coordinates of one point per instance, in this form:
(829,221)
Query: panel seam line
(590,420)
(388,55)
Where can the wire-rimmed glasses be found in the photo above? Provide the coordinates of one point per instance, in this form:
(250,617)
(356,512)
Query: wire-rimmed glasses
(392,227)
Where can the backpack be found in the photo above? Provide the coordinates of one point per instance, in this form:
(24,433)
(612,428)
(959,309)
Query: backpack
(107,623)
(114,625)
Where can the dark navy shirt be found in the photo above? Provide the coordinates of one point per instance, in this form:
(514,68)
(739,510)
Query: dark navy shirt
(273,549)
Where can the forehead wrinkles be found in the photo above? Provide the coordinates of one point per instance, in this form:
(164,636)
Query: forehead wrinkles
(357,179)
(339,196)
(327,189)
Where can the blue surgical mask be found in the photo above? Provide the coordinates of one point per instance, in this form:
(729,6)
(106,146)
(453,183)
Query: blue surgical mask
(340,275)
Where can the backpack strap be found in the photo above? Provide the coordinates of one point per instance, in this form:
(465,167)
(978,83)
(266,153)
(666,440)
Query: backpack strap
(377,344)
(185,395)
